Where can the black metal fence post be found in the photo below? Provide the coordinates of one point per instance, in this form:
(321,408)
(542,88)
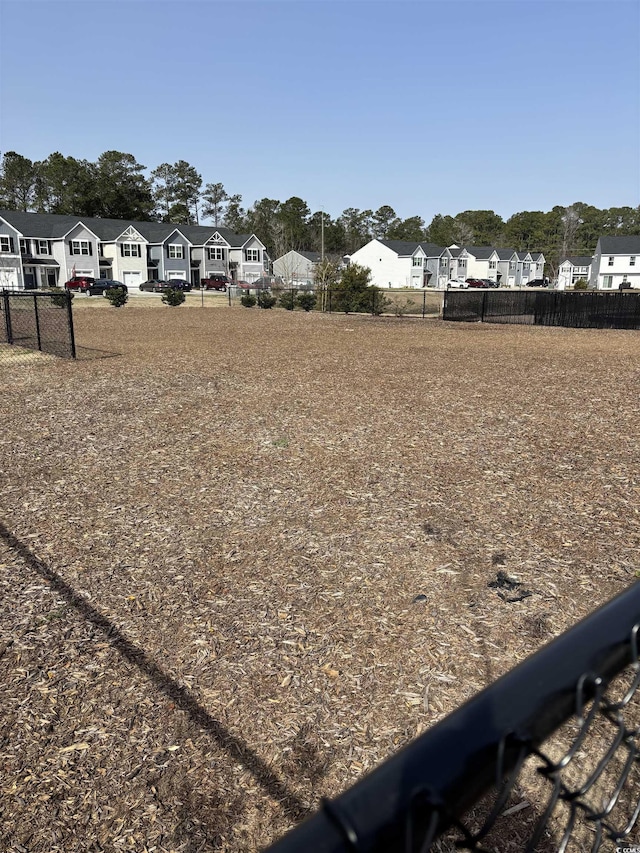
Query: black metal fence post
(7,316)
(37,320)
(72,339)
(424,303)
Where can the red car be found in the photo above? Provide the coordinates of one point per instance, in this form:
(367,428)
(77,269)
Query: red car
(476,282)
(215,282)
(83,283)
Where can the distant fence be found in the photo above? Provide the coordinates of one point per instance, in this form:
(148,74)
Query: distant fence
(399,303)
(590,309)
(545,759)
(36,320)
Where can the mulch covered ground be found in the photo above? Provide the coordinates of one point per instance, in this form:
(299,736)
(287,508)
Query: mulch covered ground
(246,555)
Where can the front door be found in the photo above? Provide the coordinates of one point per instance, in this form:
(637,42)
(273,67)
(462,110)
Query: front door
(30,282)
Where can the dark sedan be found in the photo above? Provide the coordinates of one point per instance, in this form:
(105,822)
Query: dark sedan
(101,285)
(179,284)
(154,286)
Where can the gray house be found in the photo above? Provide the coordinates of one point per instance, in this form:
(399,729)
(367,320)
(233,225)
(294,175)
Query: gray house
(296,267)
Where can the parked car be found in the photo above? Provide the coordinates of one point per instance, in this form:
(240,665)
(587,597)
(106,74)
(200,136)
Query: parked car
(179,284)
(80,282)
(266,282)
(216,282)
(456,282)
(538,282)
(154,286)
(476,282)
(490,282)
(101,285)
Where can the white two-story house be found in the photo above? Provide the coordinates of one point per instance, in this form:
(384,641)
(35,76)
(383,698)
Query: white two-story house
(572,270)
(616,263)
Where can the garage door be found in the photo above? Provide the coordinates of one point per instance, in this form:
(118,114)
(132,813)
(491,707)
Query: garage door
(8,278)
(132,279)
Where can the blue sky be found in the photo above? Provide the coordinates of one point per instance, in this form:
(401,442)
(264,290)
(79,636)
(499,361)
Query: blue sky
(430,107)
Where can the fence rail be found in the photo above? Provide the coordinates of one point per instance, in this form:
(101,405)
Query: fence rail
(569,716)
(36,320)
(589,309)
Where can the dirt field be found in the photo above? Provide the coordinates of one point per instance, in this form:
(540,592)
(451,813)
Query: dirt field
(215,525)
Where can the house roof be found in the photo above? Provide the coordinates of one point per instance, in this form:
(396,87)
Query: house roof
(431,250)
(55,226)
(481,253)
(402,248)
(578,261)
(505,254)
(620,245)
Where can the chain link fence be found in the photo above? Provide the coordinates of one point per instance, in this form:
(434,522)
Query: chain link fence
(399,303)
(35,320)
(545,759)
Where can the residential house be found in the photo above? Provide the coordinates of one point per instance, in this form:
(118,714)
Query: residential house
(478,262)
(616,262)
(404,263)
(296,267)
(572,270)
(44,250)
(507,267)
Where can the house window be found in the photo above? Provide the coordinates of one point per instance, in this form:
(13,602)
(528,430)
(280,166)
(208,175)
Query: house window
(417,262)
(175,251)
(443,262)
(462,262)
(525,267)
(632,261)
(6,244)
(43,247)
(215,254)
(492,265)
(80,247)
(607,281)
(610,260)
(538,267)
(24,247)
(130,250)
(512,266)
(252,255)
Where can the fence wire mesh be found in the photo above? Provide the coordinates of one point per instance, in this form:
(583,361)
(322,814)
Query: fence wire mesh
(545,759)
(35,321)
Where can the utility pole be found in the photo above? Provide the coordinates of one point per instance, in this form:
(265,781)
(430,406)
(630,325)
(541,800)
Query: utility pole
(322,234)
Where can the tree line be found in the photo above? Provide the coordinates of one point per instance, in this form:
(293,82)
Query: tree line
(116,186)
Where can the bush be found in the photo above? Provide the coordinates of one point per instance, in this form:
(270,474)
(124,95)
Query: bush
(307,301)
(248,300)
(59,296)
(581,284)
(288,300)
(266,300)
(116,296)
(355,293)
(173,297)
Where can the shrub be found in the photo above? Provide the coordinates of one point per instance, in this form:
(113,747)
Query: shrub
(266,300)
(116,296)
(355,292)
(288,300)
(59,296)
(173,297)
(248,300)
(307,301)
(581,284)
